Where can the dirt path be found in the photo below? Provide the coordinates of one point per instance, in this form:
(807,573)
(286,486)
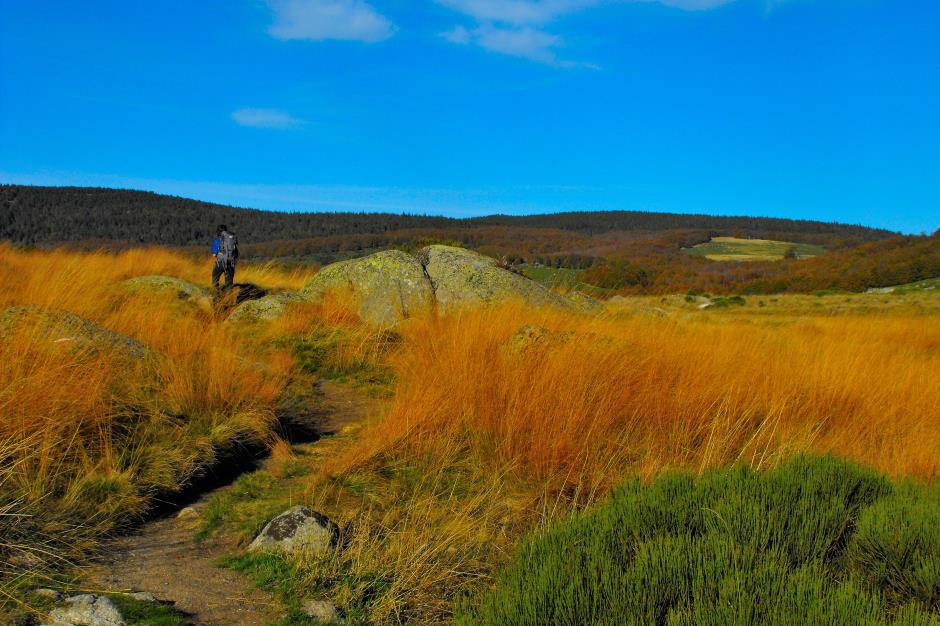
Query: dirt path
(162,558)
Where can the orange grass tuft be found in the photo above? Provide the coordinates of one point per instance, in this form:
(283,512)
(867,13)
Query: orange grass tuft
(598,396)
(88,434)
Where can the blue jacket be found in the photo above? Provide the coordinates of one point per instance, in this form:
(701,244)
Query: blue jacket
(215,246)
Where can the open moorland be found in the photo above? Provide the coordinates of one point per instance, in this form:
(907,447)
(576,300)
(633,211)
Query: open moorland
(538,456)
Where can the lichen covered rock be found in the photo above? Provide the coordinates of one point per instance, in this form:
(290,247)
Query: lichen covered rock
(87,609)
(462,277)
(321,611)
(298,530)
(264,309)
(70,330)
(390,286)
(181,289)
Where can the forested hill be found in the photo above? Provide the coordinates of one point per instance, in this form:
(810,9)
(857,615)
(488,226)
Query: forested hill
(37,215)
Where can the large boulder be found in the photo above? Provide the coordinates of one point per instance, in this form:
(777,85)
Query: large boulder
(68,329)
(87,609)
(390,286)
(297,531)
(264,309)
(461,277)
(177,287)
(321,612)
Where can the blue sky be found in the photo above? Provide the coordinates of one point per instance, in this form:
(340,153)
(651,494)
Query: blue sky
(825,109)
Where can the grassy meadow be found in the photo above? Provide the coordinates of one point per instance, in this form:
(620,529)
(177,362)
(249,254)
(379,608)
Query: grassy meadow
(89,435)
(737,249)
(507,440)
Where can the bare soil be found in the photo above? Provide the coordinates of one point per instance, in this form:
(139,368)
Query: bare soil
(162,557)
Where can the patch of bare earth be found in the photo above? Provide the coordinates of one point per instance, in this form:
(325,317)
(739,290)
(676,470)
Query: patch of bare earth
(162,557)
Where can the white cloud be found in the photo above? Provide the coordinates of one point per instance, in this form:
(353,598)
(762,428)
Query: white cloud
(516,27)
(517,12)
(353,20)
(265,118)
(458,35)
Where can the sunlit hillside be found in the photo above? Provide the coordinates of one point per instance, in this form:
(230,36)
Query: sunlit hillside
(487,423)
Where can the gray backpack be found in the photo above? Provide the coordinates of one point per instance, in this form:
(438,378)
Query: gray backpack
(228,247)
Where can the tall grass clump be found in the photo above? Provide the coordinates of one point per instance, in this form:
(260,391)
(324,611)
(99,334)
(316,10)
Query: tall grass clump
(795,545)
(132,397)
(575,401)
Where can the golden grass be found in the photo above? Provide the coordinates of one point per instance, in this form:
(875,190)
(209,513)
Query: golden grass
(598,396)
(88,434)
(491,434)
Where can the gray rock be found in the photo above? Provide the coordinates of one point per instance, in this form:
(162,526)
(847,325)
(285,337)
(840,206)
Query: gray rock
(188,513)
(390,286)
(529,337)
(322,611)
(298,530)
(87,610)
(584,302)
(143,596)
(183,290)
(462,277)
(65,328)
(263,309)
(48,594)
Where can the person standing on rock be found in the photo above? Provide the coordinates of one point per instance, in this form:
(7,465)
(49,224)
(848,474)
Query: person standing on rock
(225,251)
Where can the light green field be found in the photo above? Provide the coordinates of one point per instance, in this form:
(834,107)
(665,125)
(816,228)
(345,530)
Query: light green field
(554,276)
(781,307)
(929,285)
(735,249)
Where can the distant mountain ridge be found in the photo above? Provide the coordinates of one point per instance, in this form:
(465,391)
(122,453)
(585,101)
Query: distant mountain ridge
(44,215)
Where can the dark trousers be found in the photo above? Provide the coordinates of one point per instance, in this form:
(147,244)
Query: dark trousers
(220,268)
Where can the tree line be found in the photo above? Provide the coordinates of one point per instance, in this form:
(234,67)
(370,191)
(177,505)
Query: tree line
(38,215)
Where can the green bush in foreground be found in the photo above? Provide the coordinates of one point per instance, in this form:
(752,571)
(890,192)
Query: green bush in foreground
(815,541)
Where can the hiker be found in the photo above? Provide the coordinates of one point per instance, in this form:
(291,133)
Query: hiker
(225,251)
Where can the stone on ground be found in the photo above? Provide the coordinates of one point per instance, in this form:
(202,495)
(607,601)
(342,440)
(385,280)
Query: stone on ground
(390,286)
(463,277)
(86,610)
(298,530)
(47,594)
(143,596)
(183,290)
(70,330)
(263,309)
(322,611)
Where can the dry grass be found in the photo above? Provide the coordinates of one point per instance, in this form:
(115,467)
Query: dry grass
(88,435)
(500,433)
(597,396)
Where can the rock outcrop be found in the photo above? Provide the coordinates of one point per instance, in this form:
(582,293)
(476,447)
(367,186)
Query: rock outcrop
(181,289)
(264,309)
(462,277)
(321,611)
(298,530)
(390,286)
(529,337)
(68,329)
(87,609)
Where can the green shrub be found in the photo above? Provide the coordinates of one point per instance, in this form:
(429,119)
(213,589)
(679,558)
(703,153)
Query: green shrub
(726,301)
(896,547)
(731,547)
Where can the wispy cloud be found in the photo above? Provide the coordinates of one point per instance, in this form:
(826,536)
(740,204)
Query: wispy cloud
(514,27)
(353,20)
(525,42)
(265,118)
(518,27)
(517,11)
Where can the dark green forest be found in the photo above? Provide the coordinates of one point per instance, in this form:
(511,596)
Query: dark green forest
(43,215)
